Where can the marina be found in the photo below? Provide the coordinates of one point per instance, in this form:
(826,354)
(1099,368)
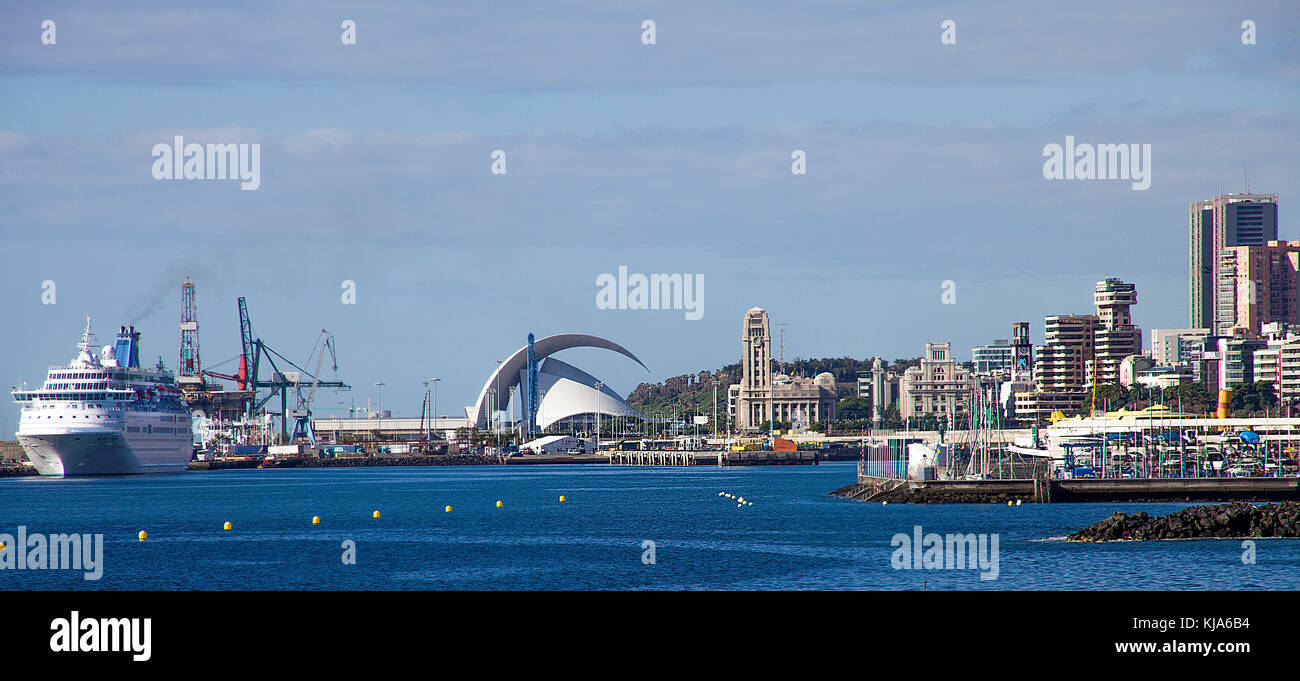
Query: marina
(1144,456)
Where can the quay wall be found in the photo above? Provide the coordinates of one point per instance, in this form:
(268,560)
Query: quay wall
(1136,490)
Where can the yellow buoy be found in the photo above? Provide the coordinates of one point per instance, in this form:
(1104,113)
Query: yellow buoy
(143,535)
(376,514)
(1017,502)
(2,546)
(884,503)
(561,497)
(226,526)
(722,494)
(448,509)
(499,504)
(1009,503)
(315,520)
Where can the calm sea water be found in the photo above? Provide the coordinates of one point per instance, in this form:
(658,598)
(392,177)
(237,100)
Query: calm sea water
(794,537)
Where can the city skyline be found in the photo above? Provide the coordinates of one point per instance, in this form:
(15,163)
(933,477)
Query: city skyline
(672,157)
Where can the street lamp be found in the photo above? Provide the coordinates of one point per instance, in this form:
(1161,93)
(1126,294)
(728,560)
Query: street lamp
(498,388)
(715,407)
(434,414)
(599,386)
(510,402)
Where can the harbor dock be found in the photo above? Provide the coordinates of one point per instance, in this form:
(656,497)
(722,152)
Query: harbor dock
(1047,490)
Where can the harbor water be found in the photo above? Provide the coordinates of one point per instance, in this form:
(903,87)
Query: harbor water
(794,536)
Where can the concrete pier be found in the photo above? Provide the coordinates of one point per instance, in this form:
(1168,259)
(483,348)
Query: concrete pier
(1076,490)
(717,458)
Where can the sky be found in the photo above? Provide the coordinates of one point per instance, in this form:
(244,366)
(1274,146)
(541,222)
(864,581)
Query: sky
(924,165)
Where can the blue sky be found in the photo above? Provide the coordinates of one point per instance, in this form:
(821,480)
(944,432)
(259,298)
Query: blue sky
(924,165)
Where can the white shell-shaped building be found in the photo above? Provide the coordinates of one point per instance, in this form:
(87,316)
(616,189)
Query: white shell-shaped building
(563,389)
(566,391)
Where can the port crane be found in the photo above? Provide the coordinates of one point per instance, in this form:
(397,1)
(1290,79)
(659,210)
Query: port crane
(301,414)
(250,377)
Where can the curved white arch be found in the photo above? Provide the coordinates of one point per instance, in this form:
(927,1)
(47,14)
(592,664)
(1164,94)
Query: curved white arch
(508,373)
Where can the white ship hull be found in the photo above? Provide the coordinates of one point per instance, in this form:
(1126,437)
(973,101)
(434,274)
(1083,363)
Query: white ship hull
(106,452)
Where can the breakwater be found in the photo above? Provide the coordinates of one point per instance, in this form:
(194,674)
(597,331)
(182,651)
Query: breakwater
(1074,490)
(1225,521)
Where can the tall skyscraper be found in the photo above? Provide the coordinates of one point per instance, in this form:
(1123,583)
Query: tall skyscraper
(1258,286)
(1116,336)
(1213,225)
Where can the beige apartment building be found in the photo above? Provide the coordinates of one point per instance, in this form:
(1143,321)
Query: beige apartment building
(938,386)
(1063,358)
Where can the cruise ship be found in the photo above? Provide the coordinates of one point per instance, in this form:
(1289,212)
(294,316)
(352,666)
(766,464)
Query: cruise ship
(104,415)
